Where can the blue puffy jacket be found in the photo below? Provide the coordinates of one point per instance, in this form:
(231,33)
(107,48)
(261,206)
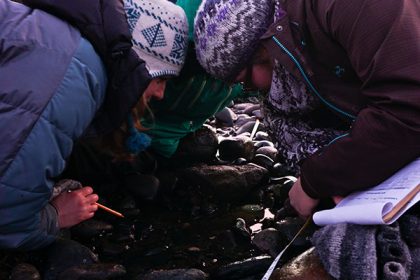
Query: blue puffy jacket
(52,82)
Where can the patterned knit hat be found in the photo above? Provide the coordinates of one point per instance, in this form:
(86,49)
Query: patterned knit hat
(227,33)
(160,34)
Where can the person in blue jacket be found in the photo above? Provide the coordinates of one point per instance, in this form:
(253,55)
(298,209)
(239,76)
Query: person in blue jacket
(70,69)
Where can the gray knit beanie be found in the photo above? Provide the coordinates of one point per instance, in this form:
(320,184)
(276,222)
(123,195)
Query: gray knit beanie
(227,33)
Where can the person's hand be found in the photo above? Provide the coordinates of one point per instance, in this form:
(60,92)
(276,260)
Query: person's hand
(300,201)
(75,207)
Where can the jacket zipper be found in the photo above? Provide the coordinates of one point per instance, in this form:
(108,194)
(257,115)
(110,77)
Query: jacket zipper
(311,86)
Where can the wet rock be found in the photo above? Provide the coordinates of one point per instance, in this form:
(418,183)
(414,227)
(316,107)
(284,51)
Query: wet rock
(250,109)
(226,117)
(263,143)
(244,119)
(279,170)
(248,127)
(258,114)
(90,228)
(242,269)
(124,232)
(24,271)
(97,271)
(236,147)
(63,254)
(261,135)
(175,274)
(240,161)
(240,107)
(115,250)
(226,240)
(200,146)
(226,183)
(264,161)
(269,151)
(269,241)
(290,226)
(143,186)
(242,232)
(306,266)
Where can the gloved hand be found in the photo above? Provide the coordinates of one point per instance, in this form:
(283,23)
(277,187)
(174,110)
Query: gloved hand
(75,206)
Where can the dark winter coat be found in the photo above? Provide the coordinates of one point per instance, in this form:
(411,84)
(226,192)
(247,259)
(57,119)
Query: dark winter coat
(104,24)
(52,83)
(362,59)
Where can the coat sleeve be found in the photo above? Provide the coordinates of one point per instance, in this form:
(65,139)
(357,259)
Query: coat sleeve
(383,43)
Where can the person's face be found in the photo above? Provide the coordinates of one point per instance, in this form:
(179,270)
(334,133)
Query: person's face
(155,90)
(258,74)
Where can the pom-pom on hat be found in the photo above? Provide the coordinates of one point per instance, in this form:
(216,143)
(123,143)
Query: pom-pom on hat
(227,34)
(159,31)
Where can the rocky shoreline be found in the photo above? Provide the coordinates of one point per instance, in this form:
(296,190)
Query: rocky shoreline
(211,217)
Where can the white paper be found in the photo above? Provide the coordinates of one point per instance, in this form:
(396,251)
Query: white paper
(368,207)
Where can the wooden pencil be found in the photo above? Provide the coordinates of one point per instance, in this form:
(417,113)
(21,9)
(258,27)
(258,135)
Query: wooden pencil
(103,207)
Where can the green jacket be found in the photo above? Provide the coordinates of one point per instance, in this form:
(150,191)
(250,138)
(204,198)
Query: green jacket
(190,99)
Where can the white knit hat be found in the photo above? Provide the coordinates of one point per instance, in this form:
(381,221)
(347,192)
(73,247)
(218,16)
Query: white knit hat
(160,34)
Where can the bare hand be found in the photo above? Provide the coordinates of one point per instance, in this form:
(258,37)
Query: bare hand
(75,207)
(300,201)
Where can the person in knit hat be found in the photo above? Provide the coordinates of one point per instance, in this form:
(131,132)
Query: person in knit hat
(342,98)
(88,74)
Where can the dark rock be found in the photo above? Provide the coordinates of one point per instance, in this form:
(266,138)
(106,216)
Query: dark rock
(236,147)
(263,143)
(264,161)
(244,119)
(226,117)
(63,254)
(248,110)
(175,274)
(124,232)
(269,241)
(242,232)
(114,250)
(143,186)
(258,114)
(226,183)
(290,226)
(97,271)
(226,240)
(279,170)
(248,127)
(240,161)
(262,135)
(269,151)
(200,146)
(240,107)
(25,271)
(90,228)
(242,269)
(306,266)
